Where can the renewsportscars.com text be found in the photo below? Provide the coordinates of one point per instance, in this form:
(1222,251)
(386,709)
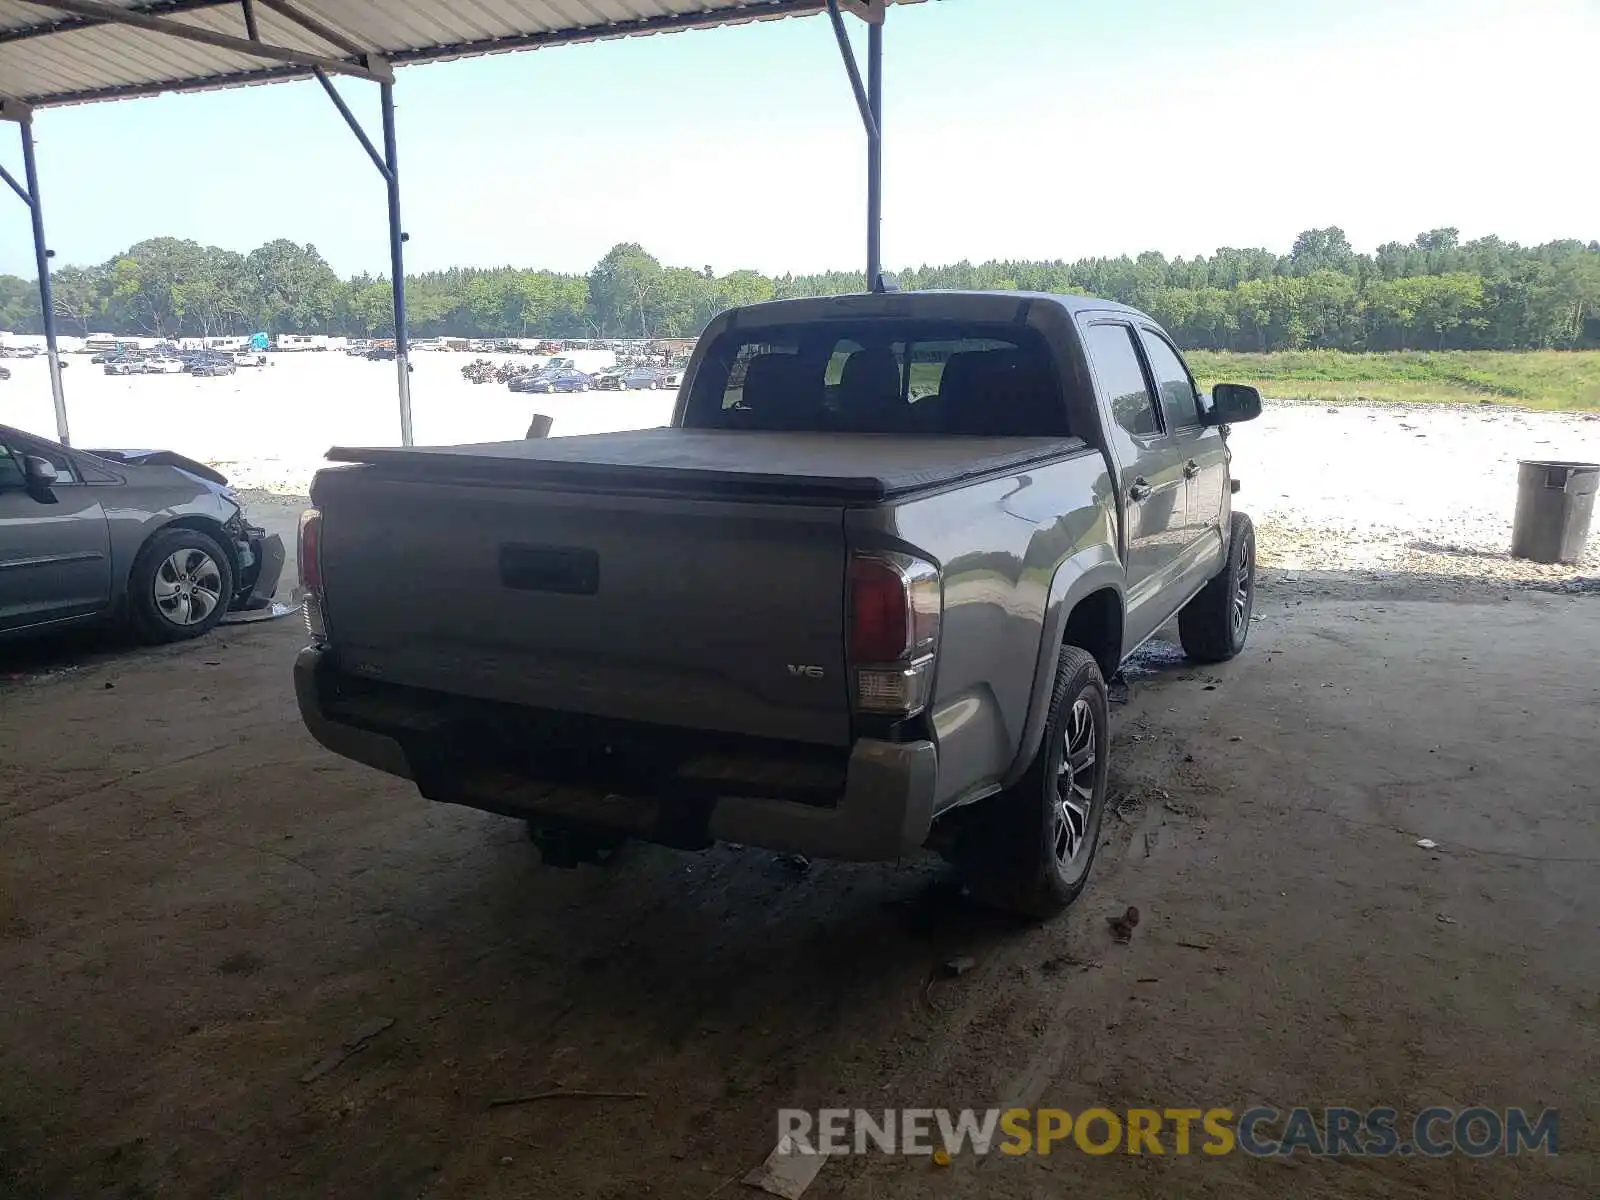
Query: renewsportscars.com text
(1321,1132)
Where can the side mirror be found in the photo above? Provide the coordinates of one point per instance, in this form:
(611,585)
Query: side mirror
(1231,403)
(39,472)
(40,476)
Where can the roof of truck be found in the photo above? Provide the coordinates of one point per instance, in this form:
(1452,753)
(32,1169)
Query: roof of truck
(937,303)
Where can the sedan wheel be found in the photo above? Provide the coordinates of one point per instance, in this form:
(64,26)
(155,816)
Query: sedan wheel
(187,587)
(181,585)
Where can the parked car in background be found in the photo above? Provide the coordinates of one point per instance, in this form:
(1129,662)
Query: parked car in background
(119,351)
(162,364)
(249,358)
(811,614)
(609,379)
(213,365)
(672,377)
(380,353)
(148,537)
(552,379)
(643,377)
(131,363)
(5,372)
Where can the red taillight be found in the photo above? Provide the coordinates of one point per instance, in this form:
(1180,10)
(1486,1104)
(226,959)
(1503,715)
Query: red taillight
(896,603)
(310,556)
(880,617)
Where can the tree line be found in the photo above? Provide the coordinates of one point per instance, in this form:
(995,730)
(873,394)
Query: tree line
(1434,292)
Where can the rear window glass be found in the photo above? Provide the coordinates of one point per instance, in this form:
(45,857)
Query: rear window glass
(880,377)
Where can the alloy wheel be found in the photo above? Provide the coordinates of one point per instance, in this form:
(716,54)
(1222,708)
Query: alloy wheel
(1244,590)
(187,587)
(1073,809)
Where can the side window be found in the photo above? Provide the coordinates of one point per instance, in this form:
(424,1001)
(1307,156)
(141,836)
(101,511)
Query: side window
(63,465)
(1178,405)
(10,469)
(1116,366)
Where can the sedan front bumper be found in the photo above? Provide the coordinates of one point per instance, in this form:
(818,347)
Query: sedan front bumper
(261,557)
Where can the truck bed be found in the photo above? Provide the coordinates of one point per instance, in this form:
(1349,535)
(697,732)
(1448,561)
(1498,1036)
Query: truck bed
(827,468)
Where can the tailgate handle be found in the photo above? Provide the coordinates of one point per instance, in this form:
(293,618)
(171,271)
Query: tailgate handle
(571,571)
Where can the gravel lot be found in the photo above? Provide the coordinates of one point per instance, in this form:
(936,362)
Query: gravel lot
(1400,488)
(1371,488)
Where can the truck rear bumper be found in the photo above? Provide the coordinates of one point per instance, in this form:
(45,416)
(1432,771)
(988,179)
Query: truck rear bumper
(884,811)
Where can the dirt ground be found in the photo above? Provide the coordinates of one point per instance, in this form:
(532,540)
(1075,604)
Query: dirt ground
(198,905)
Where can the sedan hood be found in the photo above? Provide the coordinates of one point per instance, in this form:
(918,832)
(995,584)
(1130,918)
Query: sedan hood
(164,458)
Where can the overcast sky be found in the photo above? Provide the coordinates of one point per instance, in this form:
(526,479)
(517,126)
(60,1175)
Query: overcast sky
(1014,128)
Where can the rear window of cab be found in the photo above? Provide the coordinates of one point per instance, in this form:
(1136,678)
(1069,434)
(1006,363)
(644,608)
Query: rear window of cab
(880,377)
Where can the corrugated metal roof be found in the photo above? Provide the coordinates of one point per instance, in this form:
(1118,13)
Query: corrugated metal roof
(50,57)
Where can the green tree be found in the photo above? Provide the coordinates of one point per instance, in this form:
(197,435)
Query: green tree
(625,291)
(78,294)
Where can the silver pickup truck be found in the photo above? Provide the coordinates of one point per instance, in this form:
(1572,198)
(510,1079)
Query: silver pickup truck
(860,597)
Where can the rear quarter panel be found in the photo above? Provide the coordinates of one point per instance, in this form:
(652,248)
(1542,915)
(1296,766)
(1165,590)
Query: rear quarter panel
(1013,552)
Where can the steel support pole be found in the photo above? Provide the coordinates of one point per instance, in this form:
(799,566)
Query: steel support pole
(875,156)
(47,307)
(397,264)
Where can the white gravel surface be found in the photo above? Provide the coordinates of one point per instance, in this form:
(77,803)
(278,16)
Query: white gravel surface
(1415,489)
(1363,488)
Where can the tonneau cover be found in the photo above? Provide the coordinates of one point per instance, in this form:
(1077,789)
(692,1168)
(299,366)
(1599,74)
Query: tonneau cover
(851,466)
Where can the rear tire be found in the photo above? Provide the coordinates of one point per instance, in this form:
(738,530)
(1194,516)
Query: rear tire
(1215,625)
(181,585)
(1029,850)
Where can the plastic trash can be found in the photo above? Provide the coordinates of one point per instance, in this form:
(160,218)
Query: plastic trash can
(1555,501)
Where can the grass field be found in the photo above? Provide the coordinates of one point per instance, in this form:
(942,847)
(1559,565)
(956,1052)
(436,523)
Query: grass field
(1546,379)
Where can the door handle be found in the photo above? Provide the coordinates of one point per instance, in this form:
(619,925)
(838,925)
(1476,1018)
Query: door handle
(1191,469)
(1140,489)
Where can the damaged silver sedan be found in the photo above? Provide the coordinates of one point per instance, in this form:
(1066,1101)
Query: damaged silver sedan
(144,536)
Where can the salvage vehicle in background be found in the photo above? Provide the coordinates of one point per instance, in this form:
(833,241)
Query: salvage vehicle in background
(129,362)
(552,379)
(812,614)
(213,364)
(121,349)
(146,536)
(643,378)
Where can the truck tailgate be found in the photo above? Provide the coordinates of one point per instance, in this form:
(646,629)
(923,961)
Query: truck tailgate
(714,614)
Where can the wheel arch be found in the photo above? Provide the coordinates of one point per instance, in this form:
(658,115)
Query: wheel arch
(1095,624)
(1085,609)
(200,523)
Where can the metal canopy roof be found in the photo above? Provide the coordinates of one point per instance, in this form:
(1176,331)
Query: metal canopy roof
(76,51)
(73,51)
